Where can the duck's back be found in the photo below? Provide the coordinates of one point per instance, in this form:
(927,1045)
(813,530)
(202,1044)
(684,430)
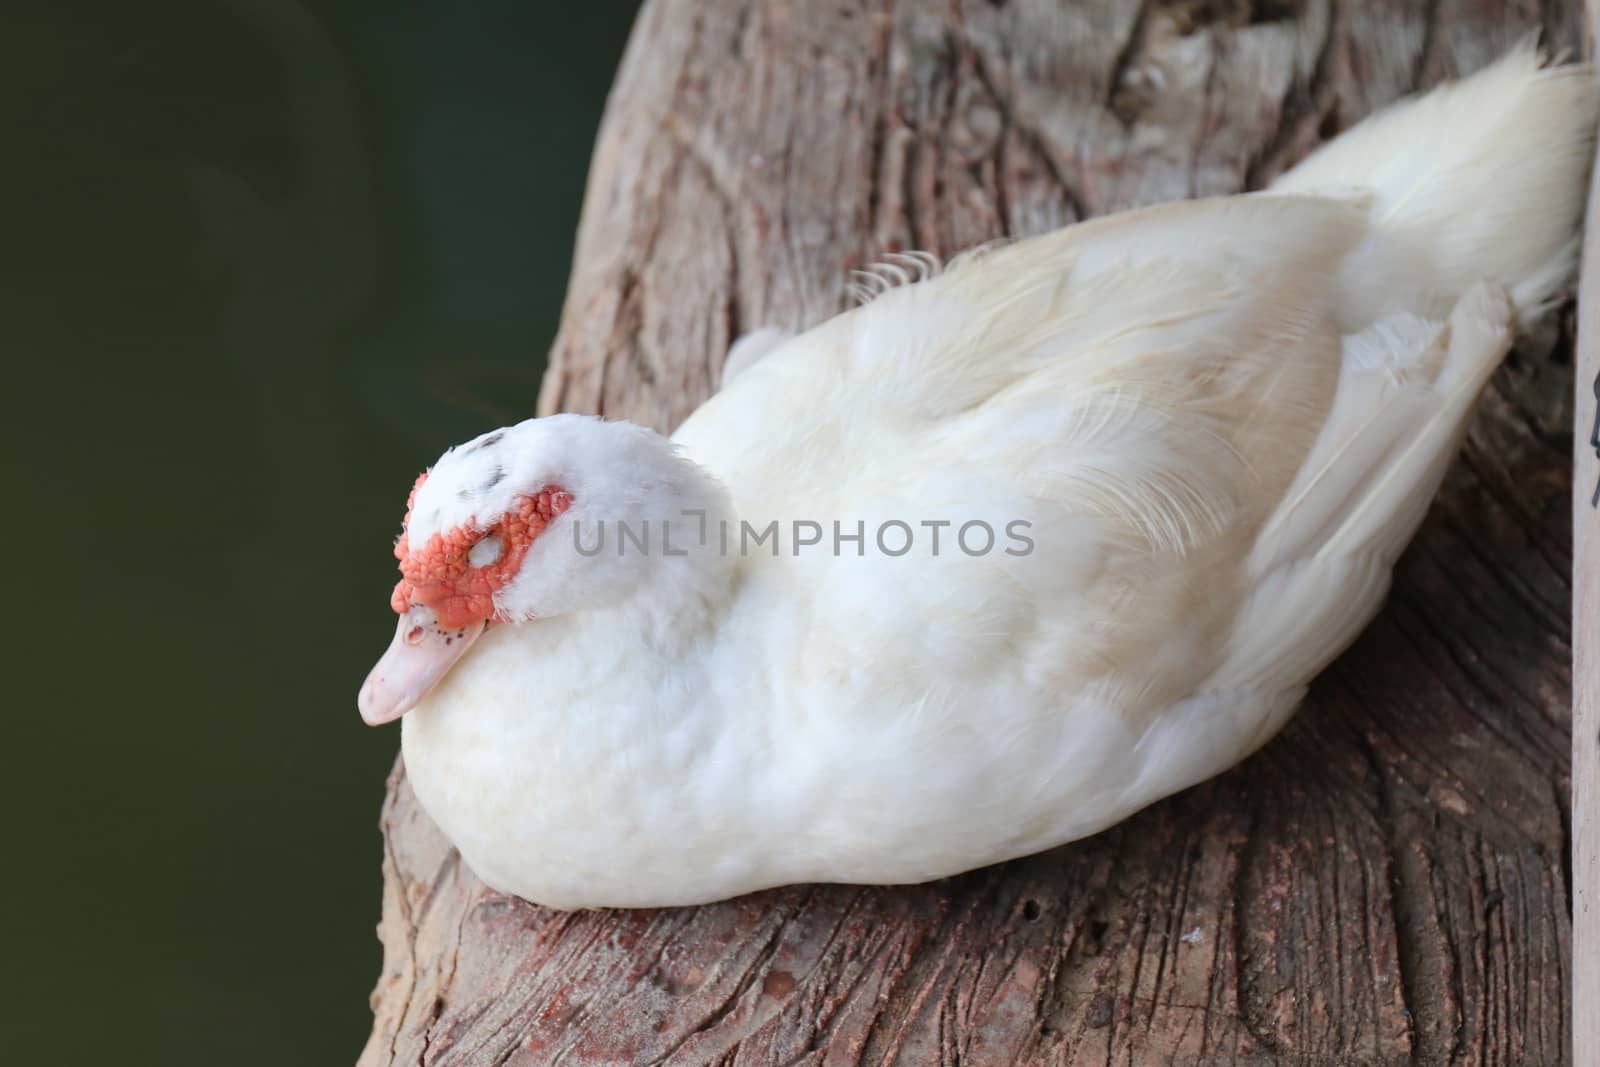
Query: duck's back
(1218,422)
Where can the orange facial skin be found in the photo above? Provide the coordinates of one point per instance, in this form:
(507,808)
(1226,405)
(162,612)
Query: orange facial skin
(439,576)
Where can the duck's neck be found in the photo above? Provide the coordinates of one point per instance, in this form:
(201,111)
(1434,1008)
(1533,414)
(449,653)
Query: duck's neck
(554,755)
(677,609)
(644,645)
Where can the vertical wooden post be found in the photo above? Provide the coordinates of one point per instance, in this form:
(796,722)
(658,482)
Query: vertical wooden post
(1586,640)
(1586,636)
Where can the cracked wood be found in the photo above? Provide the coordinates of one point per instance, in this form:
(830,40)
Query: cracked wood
(1385,883)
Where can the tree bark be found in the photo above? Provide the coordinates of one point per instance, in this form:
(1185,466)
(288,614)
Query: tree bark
(1386,882)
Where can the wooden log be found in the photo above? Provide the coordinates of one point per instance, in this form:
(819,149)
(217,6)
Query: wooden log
(1387,882)
(1586,636)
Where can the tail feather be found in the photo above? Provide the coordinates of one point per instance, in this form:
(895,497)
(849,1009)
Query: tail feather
(1321,565)
(1482,179)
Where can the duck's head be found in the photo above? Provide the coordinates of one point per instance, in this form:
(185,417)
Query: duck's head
(519,524)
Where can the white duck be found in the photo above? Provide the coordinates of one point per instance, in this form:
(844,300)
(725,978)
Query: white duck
(1199,435)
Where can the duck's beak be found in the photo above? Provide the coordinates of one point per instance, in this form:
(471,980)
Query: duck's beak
(417,658)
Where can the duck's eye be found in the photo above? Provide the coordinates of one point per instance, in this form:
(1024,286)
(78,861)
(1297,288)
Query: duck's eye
(486,552)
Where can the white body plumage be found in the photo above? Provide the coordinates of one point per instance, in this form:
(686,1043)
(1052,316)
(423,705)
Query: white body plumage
(1218,423)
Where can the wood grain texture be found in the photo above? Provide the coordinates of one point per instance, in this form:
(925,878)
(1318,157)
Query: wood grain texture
(1586,636)
(1387,882)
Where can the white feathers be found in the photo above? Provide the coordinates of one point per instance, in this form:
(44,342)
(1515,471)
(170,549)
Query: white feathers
(1217,423)
(1156,479)
(1482,179)
(895,269)
(750,348)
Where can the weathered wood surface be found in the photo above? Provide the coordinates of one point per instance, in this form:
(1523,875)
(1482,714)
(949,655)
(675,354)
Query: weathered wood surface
(1387,882)
(1586,637)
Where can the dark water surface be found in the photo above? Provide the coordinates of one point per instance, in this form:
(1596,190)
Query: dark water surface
(263,260)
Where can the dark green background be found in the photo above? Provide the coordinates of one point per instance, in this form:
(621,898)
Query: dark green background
(263,261)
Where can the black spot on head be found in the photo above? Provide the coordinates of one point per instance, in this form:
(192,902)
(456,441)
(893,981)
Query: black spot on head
(496,476)
(488,442)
